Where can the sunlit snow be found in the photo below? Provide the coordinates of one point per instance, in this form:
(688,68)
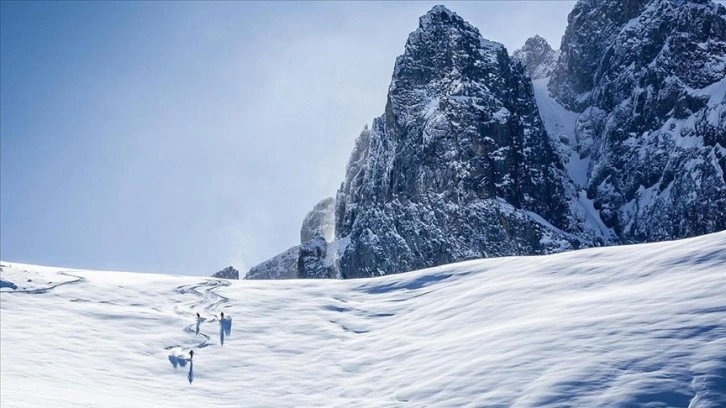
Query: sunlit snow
(641,325)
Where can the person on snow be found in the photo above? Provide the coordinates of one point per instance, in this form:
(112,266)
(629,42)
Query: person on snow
(199,322)
(191,355)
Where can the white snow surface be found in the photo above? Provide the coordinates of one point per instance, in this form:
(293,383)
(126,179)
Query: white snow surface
(560,125)
(558,121)
(641,325)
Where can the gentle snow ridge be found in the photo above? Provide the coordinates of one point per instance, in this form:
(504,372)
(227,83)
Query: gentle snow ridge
(641,325)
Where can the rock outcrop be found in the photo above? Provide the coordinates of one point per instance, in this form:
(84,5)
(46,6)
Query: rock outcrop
(227,273)
(309,259)
(538,57)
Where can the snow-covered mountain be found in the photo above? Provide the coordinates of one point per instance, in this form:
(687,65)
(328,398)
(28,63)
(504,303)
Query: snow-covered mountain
(458,167)
(646,84)
(618,138)
(538,57)
(626,326)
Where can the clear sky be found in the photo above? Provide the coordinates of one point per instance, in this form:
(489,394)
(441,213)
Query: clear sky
(183,137)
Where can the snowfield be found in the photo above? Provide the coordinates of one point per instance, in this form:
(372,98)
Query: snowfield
(628,326)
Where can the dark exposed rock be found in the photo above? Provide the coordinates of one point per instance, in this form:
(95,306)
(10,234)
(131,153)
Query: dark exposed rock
(227,273)
(592,26)
(648,77)
(458,167)
(313,262)
(306,260)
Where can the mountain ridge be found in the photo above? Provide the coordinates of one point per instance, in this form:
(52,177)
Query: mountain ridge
(480,154)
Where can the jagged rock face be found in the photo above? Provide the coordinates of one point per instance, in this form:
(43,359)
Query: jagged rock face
(592,26)
(538,58)
(307,260)
(458,167)
(227,273)
(648,77)
(319,221)
(282,266)
(312,262)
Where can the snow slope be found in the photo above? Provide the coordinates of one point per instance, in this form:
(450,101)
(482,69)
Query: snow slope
(641,325)
(560,124)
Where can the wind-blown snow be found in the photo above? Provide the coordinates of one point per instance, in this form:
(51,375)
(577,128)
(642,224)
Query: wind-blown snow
(641,325)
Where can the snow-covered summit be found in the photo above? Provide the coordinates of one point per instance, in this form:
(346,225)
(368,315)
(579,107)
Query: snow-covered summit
(538,57)
(441,16)
(459,166)
(441,30)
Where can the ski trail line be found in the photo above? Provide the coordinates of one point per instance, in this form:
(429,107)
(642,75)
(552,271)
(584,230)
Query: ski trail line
(79,279)
(207,299)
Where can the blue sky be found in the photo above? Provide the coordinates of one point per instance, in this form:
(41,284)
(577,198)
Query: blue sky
(183,137)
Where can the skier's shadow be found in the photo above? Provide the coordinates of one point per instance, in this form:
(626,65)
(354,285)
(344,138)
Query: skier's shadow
(225,329)
(178,361)
(181,361)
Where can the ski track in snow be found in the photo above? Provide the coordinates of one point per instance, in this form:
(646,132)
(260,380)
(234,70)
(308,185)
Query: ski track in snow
(629,326)
(44,289)
(208,300)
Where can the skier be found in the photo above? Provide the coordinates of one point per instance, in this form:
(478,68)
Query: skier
(199,321)
(191,355)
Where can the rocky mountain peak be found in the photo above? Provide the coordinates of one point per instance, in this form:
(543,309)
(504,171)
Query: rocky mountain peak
(457,163)
(227,273)
(439,11)
(592,26)
(443,44)
(619,139)
(537,44)
(319,221)
(538,57)
(441,17)
(608,41)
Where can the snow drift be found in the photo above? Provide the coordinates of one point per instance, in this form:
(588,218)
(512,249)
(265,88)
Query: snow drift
(641,325)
